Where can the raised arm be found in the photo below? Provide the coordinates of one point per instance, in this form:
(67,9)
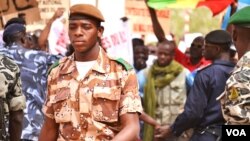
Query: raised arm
(43,38)
(158,30)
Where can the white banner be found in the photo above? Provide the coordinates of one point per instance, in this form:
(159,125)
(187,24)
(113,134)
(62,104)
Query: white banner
(117,39)
(58,38)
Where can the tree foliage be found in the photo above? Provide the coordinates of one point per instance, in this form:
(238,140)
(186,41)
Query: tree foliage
(201,21)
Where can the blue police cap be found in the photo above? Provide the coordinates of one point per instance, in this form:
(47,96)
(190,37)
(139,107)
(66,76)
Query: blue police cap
(12,29)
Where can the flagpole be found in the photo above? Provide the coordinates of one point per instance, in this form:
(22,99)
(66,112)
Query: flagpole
(96,3)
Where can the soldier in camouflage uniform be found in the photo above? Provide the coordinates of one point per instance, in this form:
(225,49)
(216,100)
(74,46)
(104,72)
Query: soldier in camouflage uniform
(14,100)
(234,100)
(90,97)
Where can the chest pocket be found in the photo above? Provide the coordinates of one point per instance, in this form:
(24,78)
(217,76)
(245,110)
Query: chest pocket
(62,105)
(106,104)
(178,93)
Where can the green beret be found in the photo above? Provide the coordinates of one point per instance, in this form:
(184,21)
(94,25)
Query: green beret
(88,10)
(218,37)
(241,17)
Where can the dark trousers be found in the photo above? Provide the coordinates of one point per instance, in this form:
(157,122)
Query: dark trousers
(203,137)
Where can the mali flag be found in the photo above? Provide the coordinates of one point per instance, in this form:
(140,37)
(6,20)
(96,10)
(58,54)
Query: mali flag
(216,6)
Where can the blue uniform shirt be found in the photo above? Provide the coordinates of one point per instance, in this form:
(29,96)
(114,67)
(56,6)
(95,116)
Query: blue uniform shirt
(33,66)
(201,108)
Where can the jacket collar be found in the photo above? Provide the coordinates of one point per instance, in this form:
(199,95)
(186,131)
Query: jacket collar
(101,65)
(223,62)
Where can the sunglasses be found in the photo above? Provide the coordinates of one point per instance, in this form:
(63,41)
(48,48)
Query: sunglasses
(196,46)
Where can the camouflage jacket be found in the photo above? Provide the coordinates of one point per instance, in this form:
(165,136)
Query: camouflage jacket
(10,85)
(235,99)
(10,92)
(90,109)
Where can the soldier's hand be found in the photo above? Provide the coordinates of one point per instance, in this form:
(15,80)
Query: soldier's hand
(163,131)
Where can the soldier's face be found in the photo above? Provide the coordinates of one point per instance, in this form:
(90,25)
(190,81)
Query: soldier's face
(239,35)
(84,34)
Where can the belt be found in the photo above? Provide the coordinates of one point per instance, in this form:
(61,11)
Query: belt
(216,131)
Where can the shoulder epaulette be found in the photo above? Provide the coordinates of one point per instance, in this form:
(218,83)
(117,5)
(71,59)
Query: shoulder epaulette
(124,63)
(53,66)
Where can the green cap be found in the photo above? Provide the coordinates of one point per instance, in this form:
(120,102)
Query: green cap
(241,17)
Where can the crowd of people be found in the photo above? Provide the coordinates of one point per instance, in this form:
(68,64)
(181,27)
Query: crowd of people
(86,94)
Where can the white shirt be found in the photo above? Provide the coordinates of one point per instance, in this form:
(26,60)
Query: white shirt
(83,68)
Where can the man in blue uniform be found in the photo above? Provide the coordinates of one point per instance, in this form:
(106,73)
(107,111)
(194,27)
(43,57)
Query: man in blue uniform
(202,111)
